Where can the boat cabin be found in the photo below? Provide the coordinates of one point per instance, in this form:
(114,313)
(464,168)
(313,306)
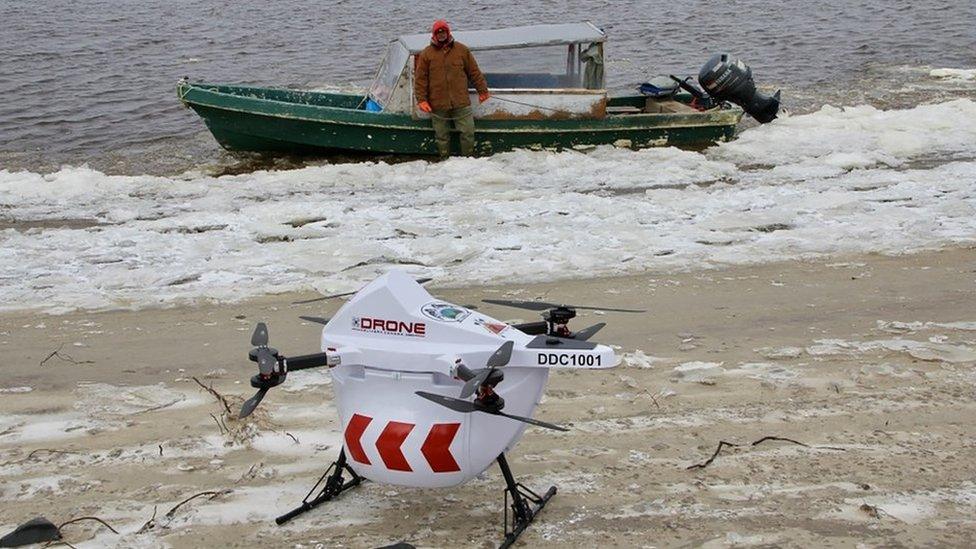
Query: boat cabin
(535,72)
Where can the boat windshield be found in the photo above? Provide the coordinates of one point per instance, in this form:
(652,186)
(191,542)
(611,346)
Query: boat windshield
(388,76)
(543,67)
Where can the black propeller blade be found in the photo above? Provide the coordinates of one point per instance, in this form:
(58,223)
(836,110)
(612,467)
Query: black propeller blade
(252,403)
(466,407)
(260,336)
(315,319)
(587,333)
(499,358)
(344,294)
(543,306)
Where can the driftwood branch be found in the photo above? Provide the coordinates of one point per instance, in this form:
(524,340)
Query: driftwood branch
(723,444)
(220,398)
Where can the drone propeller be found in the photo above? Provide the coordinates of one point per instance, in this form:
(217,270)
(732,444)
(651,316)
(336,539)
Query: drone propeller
(543,305)
(315,319)
(273,367)
(268,377)
(467,406)
(499,358)
(344,294)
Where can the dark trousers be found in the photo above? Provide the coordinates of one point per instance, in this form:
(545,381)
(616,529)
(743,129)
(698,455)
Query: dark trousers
(463,118)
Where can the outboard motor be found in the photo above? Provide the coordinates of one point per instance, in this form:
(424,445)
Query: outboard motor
(728,79)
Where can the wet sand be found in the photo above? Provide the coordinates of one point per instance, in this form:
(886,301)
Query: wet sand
(869,361)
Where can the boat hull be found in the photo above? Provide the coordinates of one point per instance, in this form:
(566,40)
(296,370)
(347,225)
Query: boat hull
(268,120)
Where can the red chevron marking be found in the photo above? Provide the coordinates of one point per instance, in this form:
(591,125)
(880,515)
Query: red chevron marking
(389,444)
(354,431)
(437,447)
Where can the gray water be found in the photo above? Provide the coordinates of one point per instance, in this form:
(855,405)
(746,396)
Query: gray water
(92,81)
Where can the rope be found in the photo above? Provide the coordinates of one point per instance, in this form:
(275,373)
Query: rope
(561,111)
(180,91)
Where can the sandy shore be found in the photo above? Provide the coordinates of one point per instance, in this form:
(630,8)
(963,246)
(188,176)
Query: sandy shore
(867,360)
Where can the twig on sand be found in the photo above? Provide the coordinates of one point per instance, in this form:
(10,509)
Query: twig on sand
(650,395)
(220,398)
(79,519)
(63,356)
(151,523)
(217,421)
(250,473)
(33,453)
(212,493)
(159,407)
(723,444)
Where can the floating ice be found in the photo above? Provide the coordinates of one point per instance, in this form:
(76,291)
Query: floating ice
(837,181)
(954,74)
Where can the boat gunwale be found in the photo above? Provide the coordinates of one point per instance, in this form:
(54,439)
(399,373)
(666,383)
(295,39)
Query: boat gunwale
(406,122)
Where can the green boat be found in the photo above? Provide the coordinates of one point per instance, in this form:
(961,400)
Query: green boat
(548,92)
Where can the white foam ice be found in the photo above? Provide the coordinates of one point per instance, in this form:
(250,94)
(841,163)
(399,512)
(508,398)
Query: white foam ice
(954,74)
(836,181)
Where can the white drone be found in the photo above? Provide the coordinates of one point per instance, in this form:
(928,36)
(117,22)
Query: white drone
(412,411)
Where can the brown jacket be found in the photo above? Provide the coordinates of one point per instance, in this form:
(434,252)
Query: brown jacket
(441,76)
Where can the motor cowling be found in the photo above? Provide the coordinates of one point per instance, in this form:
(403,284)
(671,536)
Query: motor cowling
(728,79)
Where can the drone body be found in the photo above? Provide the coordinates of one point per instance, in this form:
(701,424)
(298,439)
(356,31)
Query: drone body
(394,339)
(421,385)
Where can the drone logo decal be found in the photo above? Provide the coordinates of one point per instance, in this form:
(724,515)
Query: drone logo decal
(445,312)
(494,327)
(387,326)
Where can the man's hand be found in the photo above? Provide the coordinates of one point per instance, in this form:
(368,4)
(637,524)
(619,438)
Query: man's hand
(424,106)
(482,97)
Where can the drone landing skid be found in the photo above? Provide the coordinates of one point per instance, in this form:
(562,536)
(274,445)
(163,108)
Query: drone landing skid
(525,504)
(334,485)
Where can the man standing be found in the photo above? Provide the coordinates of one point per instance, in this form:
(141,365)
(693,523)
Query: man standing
(440,79)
